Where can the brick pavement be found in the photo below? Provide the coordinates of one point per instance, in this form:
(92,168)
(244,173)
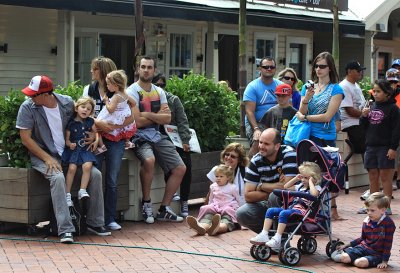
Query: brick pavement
(140,248)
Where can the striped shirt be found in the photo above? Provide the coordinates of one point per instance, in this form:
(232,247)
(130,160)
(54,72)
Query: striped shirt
(377,237)
(261,170)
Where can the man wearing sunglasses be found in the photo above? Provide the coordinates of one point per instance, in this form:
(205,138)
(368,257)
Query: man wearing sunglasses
(258,97)
(352,105)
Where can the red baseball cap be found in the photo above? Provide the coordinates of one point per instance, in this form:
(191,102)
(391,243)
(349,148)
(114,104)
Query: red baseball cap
(38,85)
(283,89)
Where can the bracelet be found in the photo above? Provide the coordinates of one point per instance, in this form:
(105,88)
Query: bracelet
(304,102)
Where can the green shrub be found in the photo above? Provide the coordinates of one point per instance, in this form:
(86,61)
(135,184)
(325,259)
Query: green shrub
(212,110)
(9,135)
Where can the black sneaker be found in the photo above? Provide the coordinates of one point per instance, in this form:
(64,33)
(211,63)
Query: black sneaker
(168,216)
(101,231)
(66,238)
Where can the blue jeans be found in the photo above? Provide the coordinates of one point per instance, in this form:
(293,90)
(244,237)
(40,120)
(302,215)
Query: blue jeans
(113,157)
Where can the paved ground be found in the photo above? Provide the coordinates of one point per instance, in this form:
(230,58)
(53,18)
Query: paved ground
(170,247)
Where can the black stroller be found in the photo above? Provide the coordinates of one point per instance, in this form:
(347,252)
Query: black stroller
(316,221)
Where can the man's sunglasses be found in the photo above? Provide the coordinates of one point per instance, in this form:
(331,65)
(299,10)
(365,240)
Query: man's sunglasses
(268,67)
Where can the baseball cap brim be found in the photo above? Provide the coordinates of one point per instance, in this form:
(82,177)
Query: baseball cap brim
(29,92)
(392,79)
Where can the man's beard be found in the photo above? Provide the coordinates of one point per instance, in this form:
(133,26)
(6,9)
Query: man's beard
(146,80)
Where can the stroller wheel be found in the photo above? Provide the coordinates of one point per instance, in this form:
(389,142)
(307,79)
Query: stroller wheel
(307,245)
(331,246)
(252,251)
(290,256)
(262,252)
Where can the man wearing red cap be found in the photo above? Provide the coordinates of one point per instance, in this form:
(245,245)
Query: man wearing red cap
(42,120)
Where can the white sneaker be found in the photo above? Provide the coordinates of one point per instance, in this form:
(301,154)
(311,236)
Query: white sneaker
(113,226)
(176,197)
(260,239)
(82,193)
(273,243)
(336,255)
(69,200)
(147,213)
(394,186)
(365,195)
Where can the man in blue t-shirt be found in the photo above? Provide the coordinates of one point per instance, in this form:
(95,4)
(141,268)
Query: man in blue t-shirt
(258,97)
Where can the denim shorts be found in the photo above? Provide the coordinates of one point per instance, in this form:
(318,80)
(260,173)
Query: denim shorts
(376,158)
(361,252)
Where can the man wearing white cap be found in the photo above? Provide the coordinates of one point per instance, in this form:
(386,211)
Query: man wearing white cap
(42,120)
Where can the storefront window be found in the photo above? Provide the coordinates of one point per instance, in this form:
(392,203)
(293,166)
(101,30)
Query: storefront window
(181,55)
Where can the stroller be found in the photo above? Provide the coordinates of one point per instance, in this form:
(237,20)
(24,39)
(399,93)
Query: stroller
(316,221)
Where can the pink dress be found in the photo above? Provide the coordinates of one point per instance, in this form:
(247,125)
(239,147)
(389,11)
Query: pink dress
(223,200)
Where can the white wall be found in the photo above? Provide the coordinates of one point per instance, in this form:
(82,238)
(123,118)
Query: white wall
(30,34)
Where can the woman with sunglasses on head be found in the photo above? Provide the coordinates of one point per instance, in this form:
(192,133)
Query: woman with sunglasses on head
(234,156)
(320,104)
(114,150)
(289,76)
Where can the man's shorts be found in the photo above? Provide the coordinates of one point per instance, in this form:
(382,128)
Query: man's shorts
(225,219)
(360,251)
(356,135)
(163,151)
(376,158)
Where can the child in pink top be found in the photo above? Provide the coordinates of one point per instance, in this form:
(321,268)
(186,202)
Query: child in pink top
(219,215)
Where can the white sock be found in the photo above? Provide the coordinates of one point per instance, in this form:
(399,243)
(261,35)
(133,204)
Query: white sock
(68,194)
(278,237)
(264,232)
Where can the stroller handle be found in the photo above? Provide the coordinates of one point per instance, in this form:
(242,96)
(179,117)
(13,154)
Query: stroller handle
(288,194)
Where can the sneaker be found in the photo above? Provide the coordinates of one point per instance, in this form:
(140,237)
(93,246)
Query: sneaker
(260,239)
(273,243)
(168,216)
(82,194)
(337,255)
(184,208)
(213,229)
(394,186)
(101,231)
(176,197)
(114,226)
(365,195)
(69,200)
(363,210)
(147,213)
(192,223)
(100,150)
(66,238)
(388,211)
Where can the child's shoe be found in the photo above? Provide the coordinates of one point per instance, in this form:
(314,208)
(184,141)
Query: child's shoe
(274,243)
(260,238)
(192,222)
(129,145)
(216,220)
(69,200)
(337,255)
(100,150)
(82,194)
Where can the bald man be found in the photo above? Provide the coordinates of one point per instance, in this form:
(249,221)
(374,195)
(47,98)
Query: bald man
(269,169)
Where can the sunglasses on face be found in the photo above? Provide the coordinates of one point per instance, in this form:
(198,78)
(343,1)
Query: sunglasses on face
(268,67)
(320,66)
(230,155)
(289,78)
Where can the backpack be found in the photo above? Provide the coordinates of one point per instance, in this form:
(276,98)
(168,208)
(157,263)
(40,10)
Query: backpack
(78,217)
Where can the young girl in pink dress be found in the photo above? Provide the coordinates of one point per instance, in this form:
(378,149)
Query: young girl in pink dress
(117,109)
(219,215)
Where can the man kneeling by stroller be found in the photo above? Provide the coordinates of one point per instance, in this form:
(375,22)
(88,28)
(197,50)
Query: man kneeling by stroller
(373,248)
(310,177)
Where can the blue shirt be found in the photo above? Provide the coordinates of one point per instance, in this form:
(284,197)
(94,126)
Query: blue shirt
(262,94)
(319,105)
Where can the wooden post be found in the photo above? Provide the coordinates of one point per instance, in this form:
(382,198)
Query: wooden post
(335,38)
(140,39)
(242,63)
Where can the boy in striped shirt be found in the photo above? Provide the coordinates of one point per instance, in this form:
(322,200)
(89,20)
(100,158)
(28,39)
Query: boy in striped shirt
(373,248)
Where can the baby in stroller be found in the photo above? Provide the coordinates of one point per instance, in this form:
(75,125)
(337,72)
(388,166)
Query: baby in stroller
(309,177)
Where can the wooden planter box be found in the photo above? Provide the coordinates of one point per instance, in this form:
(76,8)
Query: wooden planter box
(25,194)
